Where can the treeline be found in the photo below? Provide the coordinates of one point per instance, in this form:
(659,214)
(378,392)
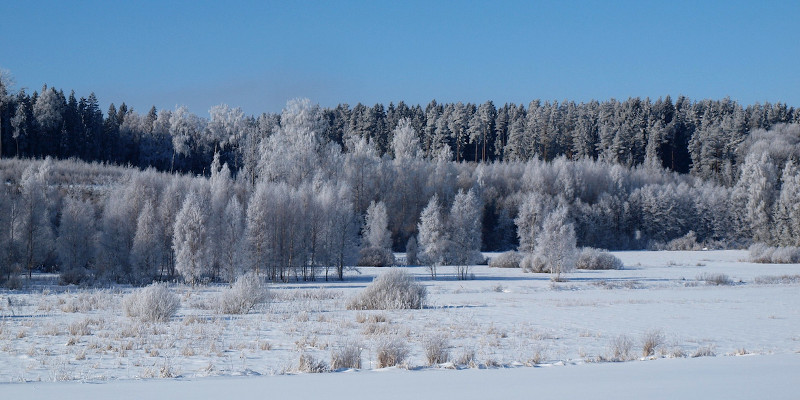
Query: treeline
(684,136)
(308,208)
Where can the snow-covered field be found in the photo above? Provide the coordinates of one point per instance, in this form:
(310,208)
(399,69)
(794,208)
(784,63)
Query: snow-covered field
(504,320)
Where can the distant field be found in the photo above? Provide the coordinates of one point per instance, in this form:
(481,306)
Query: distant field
(501,318)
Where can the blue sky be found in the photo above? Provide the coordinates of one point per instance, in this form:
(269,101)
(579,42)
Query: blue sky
(259,54)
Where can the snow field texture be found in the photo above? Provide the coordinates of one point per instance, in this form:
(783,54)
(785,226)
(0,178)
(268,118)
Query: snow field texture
(660,306)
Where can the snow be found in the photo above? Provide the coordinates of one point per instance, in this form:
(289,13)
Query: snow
(509,319)
(752,377)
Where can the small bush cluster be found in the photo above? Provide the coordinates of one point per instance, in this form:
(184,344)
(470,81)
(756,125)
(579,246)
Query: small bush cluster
(346,357)
(715,279)
(704,351)
(687,242)
(466,358)
(534,263)
(509,259)
(621,349)
(651,341)
(392,351)
(594,259)
(154,303)
(761,253)
(247,292)
(375,257)
(436,350)
(394,290)
(310,365)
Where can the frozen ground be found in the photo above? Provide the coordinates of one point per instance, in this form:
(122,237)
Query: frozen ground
(504,317)
(759,377)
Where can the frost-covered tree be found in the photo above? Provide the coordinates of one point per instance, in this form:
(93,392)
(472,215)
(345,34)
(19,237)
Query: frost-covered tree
(76,234)
(405,143)
(230,240)
(376,240)
(432,235)
(787,208)
(532,213)
(755,194)
(19,124)
(35,231)
(48,109)
(555,244)
(190,239)
(221,188)
(148,251)
(225,126)
(376,227)
(258,227)
(183,128)
(464,223)
(362,171)
(341,232)
(293,152)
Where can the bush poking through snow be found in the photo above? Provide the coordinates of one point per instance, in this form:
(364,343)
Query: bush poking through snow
(154,303)
(621,349)
(310,365)
(761,253)
(247,292)
(704,351)
(651,341)
(509,259)
(346,357)
(466,358)
(392,351)
(715,279)
(393,290)
(534,263)
(375,257)
(594,259)
(436,350)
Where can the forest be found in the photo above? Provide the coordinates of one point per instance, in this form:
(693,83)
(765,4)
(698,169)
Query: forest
(311,192)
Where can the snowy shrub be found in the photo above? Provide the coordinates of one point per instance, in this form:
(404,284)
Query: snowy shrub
(704,351)
(154,303)
(391,351)
(621,349)
(533,263)
(247,292)
(467,358)
(436,350)
(555,245)
(650,341)
(509,259)
(687,242)
(715,279)
(310,365)
(346,356)
(594,259)
(761,253)
(375,257)
(395,289)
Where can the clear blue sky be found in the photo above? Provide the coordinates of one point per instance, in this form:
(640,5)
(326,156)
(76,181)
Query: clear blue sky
(258,54)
